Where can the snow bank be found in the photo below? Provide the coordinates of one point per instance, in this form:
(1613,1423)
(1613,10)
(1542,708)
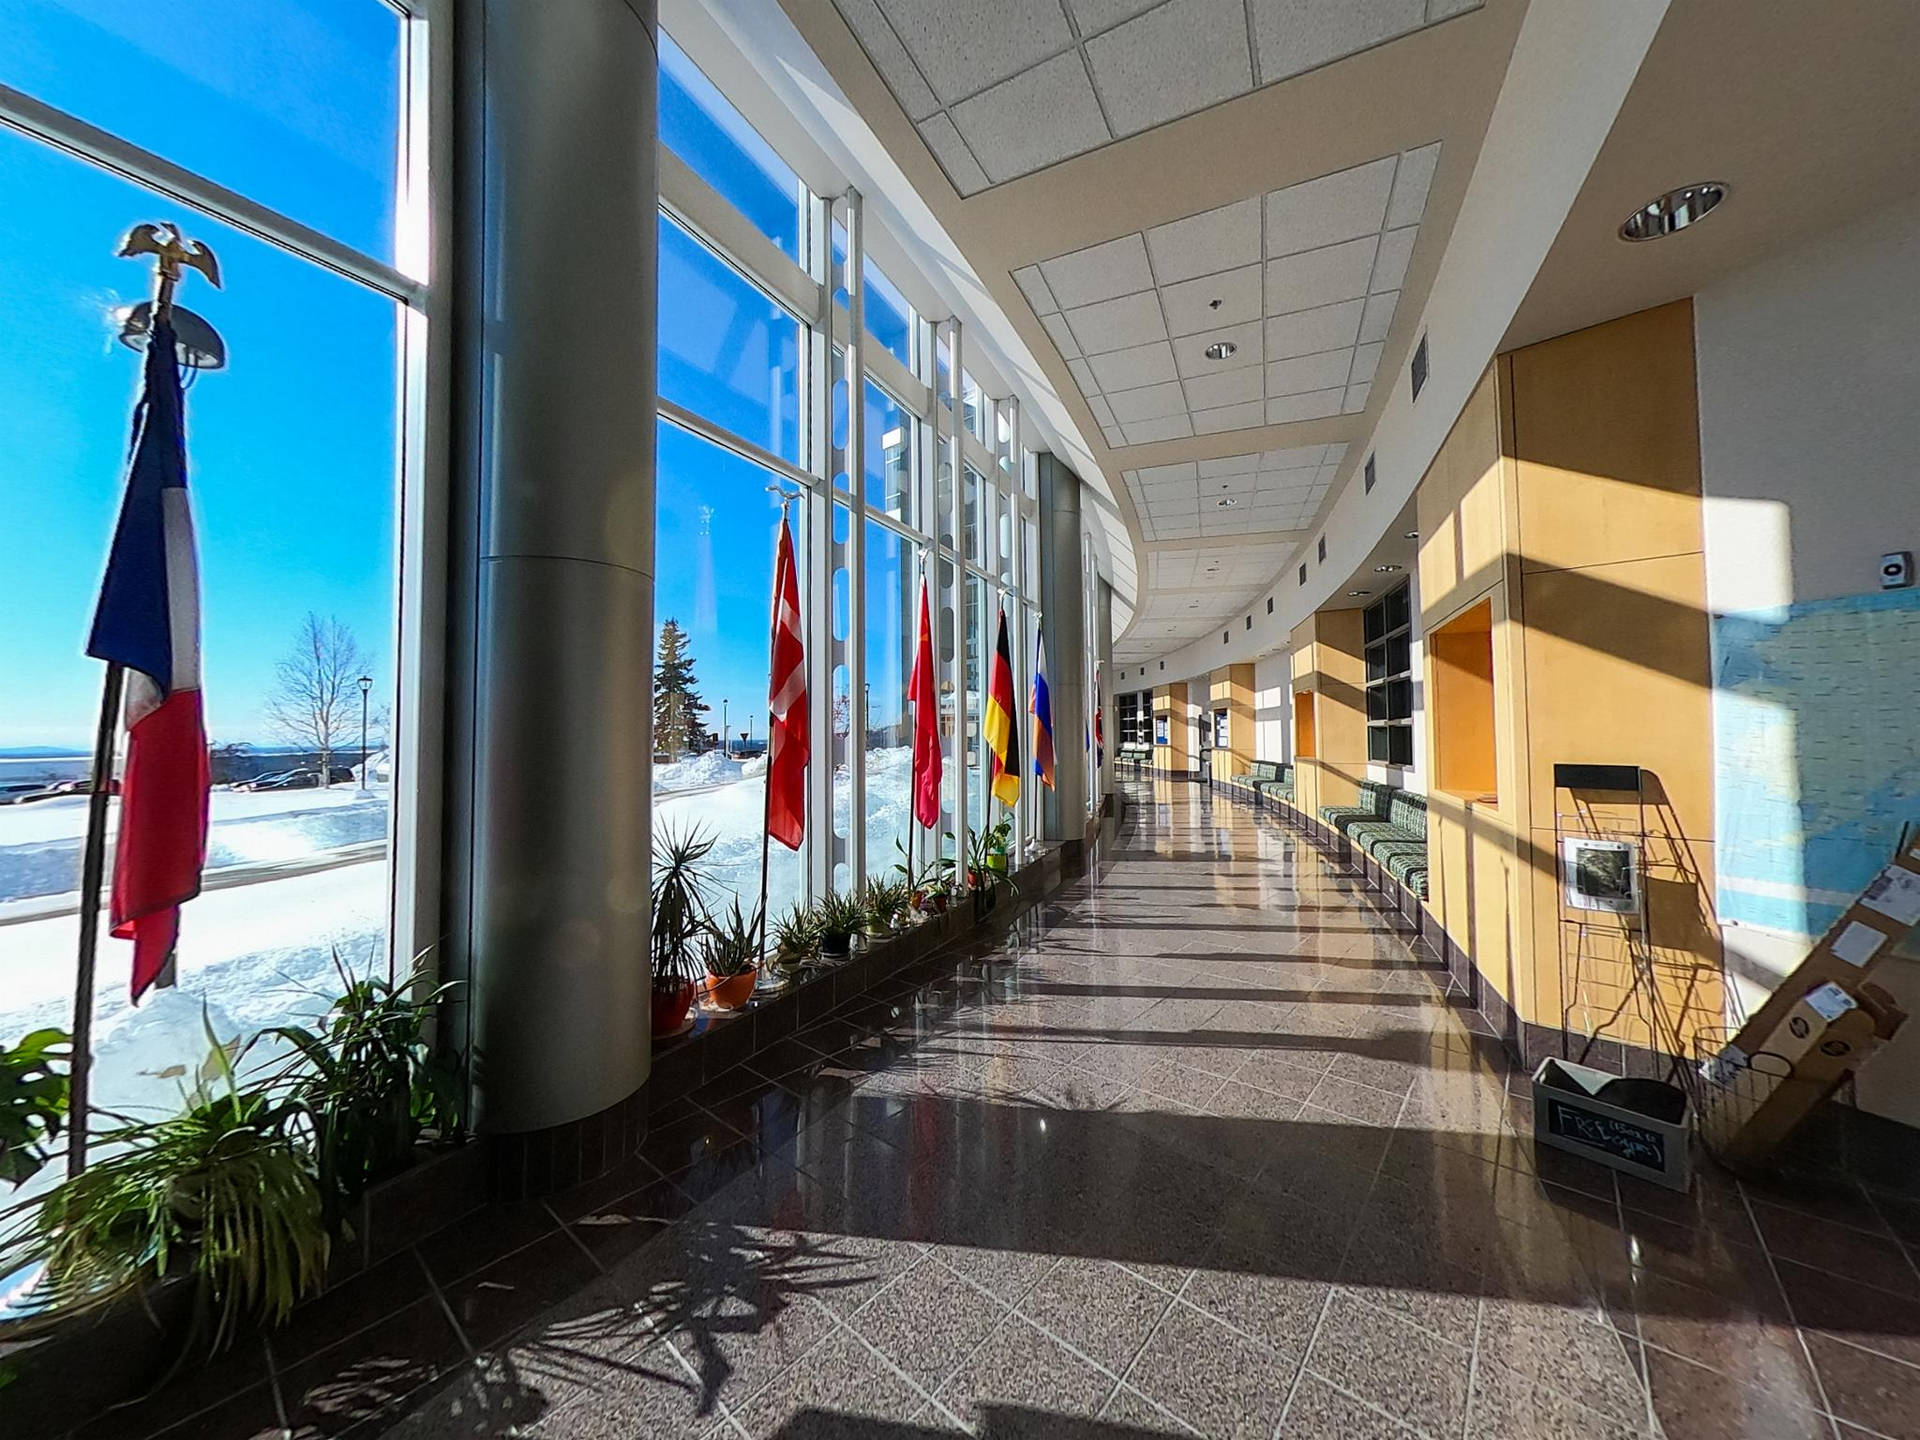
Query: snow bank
(711,768)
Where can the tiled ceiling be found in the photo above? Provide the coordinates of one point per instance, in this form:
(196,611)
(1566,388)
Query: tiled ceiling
(1193,590)
(1001,88)
(1298,286)
(1276,492)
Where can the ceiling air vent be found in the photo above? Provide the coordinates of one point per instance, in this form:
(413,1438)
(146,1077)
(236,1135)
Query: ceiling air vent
(1269,604)
(1418,369)
(1323,547)
(1303,572)
(1249,622)
(1370,476)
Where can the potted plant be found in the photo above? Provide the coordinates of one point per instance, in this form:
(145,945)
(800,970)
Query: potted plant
(932,887)
(368,1084)
(679,923)
(220,1196)
(840,915)
(996,844)
(796,939)
(33,1101)
(886,903)
(984,878)
(732,950)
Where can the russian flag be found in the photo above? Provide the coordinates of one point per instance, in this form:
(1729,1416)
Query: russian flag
(1042,708)
(148,621)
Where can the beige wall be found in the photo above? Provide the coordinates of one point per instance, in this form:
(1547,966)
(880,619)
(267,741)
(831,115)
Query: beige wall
(1170,704)
(1230,688)
(1567,499)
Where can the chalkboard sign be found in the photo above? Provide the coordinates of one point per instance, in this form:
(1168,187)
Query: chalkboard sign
(1635,1144)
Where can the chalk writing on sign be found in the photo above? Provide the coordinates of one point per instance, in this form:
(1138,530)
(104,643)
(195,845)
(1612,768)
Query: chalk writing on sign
(1620,1138)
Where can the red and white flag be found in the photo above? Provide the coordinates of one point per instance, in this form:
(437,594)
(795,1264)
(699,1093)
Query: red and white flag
(788,736)
(148,621)
(922,691)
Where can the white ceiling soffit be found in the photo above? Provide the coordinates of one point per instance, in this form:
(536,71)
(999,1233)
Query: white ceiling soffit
(1275,490)
(1271,310)
(1001,88)
(723,35)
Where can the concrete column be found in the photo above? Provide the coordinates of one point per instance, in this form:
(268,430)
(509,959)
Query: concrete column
(1062,602)
(550,708)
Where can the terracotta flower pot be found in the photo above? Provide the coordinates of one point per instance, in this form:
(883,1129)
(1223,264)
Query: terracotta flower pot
(730,992)
(670,1008)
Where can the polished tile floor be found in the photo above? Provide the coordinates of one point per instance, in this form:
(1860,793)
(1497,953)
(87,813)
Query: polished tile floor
(1198,1148)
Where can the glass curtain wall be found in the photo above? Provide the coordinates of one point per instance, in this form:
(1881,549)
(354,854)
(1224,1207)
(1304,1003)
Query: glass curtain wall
(303,458)
(744,372)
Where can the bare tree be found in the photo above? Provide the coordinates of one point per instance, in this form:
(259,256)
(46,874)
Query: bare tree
(316,689)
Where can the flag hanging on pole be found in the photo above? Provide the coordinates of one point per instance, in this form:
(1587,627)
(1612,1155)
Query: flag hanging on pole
(1042,708)
(1003,739)
(924,694)
(788,739)
(148,620)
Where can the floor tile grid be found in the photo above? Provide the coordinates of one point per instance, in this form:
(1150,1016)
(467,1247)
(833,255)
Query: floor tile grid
(1827,1410)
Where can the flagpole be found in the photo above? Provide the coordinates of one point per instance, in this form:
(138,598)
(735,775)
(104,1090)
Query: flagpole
(92,870)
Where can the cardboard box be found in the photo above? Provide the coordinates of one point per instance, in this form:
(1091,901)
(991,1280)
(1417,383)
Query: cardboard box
(1873,927)
(1825,1036)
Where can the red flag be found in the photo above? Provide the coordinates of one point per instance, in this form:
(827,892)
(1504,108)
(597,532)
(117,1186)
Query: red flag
(926,723)
(788,741)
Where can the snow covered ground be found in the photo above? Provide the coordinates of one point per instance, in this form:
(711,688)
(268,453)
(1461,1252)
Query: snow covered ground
(261,954)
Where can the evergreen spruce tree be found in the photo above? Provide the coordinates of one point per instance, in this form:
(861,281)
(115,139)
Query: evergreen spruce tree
(678,729)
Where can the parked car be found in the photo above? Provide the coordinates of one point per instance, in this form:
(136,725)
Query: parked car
(268,781)
(19,792)
(288,780)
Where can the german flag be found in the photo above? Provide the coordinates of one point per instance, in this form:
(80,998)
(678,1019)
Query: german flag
(1003,736)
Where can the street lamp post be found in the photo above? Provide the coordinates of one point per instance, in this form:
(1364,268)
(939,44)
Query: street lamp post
(726,741)
(366,685)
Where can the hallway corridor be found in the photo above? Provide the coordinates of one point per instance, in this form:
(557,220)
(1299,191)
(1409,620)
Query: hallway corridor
(1198,1148)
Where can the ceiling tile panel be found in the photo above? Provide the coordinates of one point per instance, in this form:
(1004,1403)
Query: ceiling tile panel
(1083,376)
(1326,327)
(962,49)
(1100,272)
(1150,402)
(1410,186)
(1145,432)
(1366,359)
(1102,412)
(1130,369)
(954,156)
(1171,61)
(1292,36)
(1390,268)
(889,57)
(1062,335)
(1327,210)
(1229,387)
(1308,372)
(1228,465)
(1378,318)
(1093,16)
(1118,324)
(1212,301)
(1312,405)
(1230,417)
(1183,473)
(1040,116)
(1356,400)
(1205,244)
(1320,277)
(1034,286)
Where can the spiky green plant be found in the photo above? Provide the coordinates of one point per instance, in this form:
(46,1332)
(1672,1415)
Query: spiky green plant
(732,942)
(220,1194)
(680,919)
(885,902)
(369,1083)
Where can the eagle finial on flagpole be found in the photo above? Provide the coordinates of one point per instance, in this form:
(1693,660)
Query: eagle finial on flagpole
(174,252)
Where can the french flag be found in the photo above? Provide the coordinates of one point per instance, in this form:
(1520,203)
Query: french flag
(148,621)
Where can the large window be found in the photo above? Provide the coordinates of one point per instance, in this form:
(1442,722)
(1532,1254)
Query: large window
(699,125)
(1388,629)
(892,627)
(296,455)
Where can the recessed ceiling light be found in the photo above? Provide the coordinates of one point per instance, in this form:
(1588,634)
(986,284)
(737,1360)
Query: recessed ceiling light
(1673,211)
(1385,569)
(1220,349)
(1226,502)
(1411,535)
(1359,592)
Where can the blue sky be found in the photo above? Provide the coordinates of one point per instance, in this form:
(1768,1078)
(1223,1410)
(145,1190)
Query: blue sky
(292,448)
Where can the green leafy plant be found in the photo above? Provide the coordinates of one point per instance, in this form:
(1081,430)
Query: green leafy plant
(680,920)
(732,942)
(796,933)
(840,914)
(33,1101)
(886,903)
(369,1083)
(986,864)
(219,1194)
